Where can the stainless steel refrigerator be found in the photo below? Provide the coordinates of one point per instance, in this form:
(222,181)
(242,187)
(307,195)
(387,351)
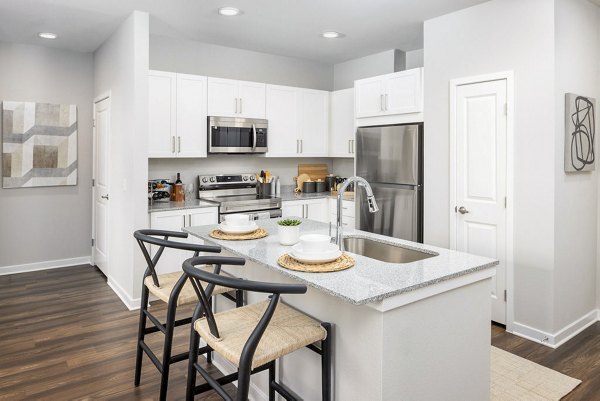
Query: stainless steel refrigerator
(390,158)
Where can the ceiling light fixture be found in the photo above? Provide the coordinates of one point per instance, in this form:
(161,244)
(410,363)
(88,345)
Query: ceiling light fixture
(229,11)
(47,35)
(331,35)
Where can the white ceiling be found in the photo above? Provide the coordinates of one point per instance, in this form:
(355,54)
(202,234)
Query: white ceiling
(284,27)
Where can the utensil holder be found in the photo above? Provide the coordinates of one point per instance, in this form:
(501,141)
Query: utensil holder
(263,188)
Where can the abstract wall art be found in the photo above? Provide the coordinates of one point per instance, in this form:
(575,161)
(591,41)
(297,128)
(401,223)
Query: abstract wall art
(580,133)
(39,144)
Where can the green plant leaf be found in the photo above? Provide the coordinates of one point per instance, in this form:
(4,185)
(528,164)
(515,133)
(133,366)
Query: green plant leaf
(289,222)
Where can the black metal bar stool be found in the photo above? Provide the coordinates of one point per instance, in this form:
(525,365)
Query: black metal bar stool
(174,290)
(251,337)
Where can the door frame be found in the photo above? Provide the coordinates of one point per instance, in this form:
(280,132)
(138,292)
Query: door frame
(98,99)
(508,76)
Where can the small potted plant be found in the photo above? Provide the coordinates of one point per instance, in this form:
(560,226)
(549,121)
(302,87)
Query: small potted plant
(289,231)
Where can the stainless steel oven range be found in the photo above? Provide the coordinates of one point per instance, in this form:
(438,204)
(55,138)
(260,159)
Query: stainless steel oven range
(236,193)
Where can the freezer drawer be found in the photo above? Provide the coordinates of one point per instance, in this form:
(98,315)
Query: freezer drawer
(399,215)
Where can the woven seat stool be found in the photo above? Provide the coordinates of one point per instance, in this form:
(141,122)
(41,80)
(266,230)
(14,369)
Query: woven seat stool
(174,289)
(252,337)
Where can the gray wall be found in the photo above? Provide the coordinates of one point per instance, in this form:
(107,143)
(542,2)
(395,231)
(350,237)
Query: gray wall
(345,73)
(415,59)
(193,57)
(50,223)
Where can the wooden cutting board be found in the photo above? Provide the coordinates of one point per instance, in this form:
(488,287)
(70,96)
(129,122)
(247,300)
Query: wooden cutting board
(315,171)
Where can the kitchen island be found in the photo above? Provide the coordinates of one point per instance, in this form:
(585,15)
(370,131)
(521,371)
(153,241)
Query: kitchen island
(402,331)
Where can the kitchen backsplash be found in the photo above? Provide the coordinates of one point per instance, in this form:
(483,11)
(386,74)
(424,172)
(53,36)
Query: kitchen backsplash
(285,168)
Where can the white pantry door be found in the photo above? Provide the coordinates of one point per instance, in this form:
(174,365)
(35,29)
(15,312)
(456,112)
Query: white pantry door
(101,184)
(480,209)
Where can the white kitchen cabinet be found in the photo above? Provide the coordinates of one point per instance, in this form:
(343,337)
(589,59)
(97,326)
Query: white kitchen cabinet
(348,213)
(174,220)
(314,209)
(298,122)
(397,93)
(177,115)
(341,129)
(314,123)
(191,115)
(162,112)
(282,114)
(232,98)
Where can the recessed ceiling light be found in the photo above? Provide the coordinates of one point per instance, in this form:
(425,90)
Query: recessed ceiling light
(47,35)
(229,11)
(331,35)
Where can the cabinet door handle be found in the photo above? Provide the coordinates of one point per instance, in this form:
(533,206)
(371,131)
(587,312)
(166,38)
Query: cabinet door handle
(353,141)
(381,102)
(173,144)
(190,220)
(297,146)
(386,102)
(241,103)
(349,151)
(301,145)
(178,144)
(236,106)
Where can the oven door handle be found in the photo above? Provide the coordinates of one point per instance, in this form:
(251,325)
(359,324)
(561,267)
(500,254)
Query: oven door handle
(253,137)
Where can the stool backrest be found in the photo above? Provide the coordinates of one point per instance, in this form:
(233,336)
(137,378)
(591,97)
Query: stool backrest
(151,237)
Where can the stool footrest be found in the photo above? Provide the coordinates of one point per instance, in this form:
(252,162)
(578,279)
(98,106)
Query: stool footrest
(151,355)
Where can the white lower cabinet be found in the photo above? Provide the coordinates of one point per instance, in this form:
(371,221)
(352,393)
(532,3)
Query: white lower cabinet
(348,213)
(314,209)
(174,220)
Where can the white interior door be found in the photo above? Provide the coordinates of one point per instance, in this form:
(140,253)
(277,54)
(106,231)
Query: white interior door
(101,187)
(480,209)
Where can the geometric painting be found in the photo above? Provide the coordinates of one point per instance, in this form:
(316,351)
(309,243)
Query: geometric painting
(39,144)
(580,133)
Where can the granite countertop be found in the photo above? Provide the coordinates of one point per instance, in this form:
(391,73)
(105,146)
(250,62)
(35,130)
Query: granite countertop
(191,204)
(369,280)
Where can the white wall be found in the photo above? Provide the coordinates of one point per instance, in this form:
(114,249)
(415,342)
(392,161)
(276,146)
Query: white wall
(193,57)
(121,67)
(50,223)
(577,33)
(344,74)
(497,36)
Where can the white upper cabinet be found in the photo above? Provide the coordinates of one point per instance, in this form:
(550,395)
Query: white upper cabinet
(191,116)
(177,115)
(162,112)
(231,98)
(282,114)
(396,93)
(314,123)
(341,129)
(298,122)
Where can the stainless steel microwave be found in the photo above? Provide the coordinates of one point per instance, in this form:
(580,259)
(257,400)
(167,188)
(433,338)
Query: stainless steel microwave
(237,135)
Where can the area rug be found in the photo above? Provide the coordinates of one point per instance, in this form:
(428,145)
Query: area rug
(517,379)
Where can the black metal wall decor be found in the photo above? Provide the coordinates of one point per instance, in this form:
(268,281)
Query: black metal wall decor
(580,132)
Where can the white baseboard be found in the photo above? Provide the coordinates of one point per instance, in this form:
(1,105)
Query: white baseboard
(50,264)
(555,340)
(226,367)
(130,303)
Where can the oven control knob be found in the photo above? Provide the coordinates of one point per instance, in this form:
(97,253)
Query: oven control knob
(212,179)
(204,179)
(251,178)
(245,178)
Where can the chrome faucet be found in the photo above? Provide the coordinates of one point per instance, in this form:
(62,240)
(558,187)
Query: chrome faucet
(361,182)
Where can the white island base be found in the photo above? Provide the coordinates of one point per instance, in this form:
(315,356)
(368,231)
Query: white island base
(428,344)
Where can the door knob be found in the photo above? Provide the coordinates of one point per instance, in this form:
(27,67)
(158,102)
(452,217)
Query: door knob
(461,210)
(105,197)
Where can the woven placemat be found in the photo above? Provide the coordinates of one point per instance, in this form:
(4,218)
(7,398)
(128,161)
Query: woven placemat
(342,263)
(259,233)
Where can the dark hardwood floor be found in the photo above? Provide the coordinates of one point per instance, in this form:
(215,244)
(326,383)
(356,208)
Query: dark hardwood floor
(578,358)
(65,335)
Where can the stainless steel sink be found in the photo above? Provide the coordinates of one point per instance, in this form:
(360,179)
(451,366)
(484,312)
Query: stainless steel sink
(382,251)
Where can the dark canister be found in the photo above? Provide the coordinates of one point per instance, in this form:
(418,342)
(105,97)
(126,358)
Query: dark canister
(320,186)
(309,187)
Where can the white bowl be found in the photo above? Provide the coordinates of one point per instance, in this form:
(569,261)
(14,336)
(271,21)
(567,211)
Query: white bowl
(237,219)
(314,243)
(244,229)
(331,254)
